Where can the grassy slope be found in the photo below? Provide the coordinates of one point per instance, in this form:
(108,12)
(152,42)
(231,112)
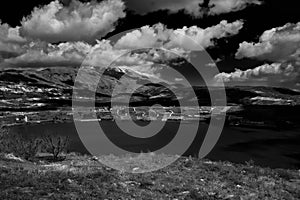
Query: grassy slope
(80,177)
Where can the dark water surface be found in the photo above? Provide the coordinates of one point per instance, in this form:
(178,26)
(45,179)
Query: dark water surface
(270,148)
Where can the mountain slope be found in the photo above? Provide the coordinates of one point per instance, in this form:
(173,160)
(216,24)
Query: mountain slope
(52,87)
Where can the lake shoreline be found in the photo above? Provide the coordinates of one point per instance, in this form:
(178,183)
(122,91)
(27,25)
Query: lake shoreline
(267,148)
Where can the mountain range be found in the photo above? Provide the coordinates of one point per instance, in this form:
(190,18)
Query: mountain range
(51,88)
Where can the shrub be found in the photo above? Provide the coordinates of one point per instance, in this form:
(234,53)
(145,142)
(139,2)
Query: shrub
(55,145)
(19,145)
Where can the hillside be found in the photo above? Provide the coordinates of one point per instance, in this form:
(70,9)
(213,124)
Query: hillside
(51,88)
(81,177)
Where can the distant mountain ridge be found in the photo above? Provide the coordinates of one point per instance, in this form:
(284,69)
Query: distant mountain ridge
(50,88)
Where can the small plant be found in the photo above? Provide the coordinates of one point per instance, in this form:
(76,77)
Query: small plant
(55,145)
(250,163)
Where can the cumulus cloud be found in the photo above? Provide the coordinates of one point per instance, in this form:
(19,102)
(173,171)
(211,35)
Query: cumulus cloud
(280,45)
(102,54)
(10,41)
(196,8)
(185,38)
(39,54)
(277,45)
(148,62)
(204,37)
(267,74)
(76,22)
(9,34)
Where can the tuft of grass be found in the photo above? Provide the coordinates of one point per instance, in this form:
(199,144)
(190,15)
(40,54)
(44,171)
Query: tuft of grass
(140,163)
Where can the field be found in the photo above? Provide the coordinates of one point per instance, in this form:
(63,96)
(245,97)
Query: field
(84,177)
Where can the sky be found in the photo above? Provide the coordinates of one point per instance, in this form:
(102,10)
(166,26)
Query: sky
(250,42)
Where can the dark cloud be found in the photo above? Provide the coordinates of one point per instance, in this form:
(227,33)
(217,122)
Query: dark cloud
(195,8)
(65,2)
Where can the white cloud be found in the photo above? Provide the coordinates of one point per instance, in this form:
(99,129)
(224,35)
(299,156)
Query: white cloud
(77,22)
(267,74)
(185,38)
(278,45)
(9,34)
(10,41)
(102,54)
(37,53)
(212,64)
(42,54)
(179,79)
(145,37)
(47,55)
(204,37)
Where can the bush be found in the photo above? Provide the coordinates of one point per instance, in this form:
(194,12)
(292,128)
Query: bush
(28,147)
(19,145)
(55,145)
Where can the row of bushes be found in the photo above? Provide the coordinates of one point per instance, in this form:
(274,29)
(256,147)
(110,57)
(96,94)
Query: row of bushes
(28,147)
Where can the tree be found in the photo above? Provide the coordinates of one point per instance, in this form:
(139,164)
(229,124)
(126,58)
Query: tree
(55,145)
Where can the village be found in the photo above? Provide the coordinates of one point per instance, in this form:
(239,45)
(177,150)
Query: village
(115,113)
(144,113)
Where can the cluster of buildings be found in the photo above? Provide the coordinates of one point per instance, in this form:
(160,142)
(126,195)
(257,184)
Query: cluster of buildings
(114,113)
(19,118)
(144,113)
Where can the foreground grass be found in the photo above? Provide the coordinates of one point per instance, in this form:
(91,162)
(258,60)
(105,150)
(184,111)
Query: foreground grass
(83,177)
